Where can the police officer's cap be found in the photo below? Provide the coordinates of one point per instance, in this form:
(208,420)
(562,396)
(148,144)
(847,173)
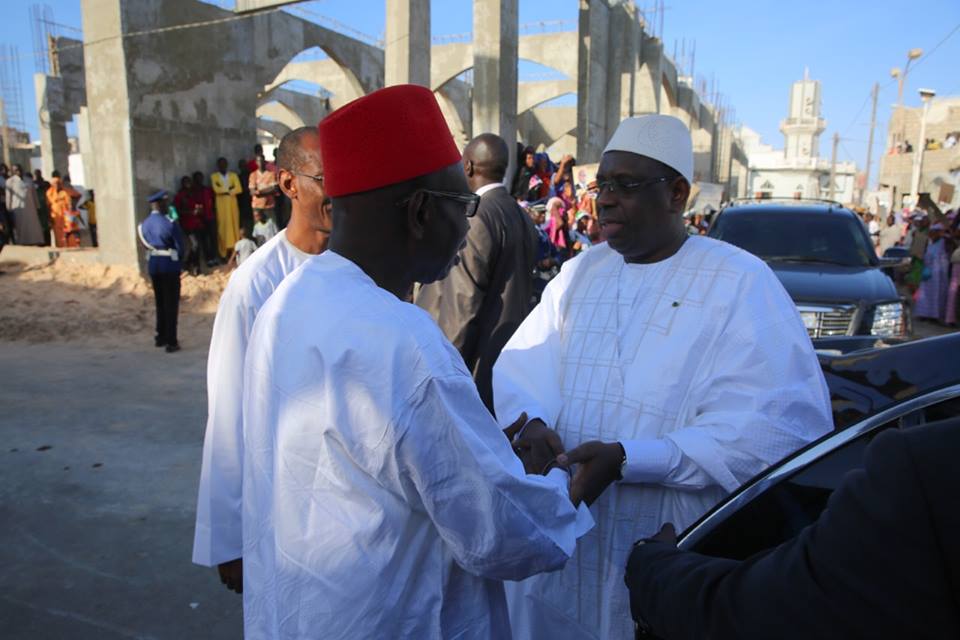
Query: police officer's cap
(157,196)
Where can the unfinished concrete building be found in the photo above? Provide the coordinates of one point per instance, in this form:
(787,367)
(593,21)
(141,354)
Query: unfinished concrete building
(163,87)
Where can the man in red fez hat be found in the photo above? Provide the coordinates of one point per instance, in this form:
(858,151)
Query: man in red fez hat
(381,499)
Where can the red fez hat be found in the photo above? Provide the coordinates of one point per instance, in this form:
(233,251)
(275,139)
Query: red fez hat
(390,136)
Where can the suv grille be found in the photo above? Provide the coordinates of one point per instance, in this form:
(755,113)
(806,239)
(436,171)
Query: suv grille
(822,322)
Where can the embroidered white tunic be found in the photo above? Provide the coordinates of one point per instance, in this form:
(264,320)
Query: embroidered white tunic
(217,536)
(381,499)
(699,365)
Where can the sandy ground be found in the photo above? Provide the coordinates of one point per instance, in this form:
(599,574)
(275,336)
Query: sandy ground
(109,305)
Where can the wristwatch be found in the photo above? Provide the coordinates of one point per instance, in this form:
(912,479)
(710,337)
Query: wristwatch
(623,460)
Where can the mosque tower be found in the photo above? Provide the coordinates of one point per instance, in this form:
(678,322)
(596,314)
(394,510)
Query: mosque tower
(803,125)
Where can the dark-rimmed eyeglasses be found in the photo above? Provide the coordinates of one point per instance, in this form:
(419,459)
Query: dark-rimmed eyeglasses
(619,186)
(470,201)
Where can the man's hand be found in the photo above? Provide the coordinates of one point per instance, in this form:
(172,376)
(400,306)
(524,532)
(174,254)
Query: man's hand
(231,574)
(666,534)
(538,447)
(600,464)
(512,431)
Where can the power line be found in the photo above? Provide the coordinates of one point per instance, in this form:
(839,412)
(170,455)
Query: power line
(936,46)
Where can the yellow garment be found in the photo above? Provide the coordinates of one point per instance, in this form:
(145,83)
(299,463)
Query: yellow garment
(228,211)
(91,208)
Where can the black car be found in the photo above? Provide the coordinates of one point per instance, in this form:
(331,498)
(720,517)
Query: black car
(871,390)
(823,256)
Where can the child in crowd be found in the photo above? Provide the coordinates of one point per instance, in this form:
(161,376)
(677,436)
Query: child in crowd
(264,228)
(244,247)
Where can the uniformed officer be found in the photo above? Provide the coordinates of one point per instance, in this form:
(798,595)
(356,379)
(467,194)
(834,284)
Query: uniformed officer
(164,243)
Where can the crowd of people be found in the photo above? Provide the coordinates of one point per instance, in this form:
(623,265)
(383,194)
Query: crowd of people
(223,223)
(932,239)
(36,212)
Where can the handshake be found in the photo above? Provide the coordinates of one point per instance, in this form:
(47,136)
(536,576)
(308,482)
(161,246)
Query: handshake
(593,465)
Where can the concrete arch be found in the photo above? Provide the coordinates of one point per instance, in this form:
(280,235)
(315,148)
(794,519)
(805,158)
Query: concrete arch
(447,61)
(281,113)
(533,94)
(310,109)
(454,98)
(326,73)
(555,50)
(668,96)
(274,128)
(546,125)
(285,36)
(688,106)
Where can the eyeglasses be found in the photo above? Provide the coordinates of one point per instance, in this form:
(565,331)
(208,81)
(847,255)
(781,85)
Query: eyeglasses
(318,178)
(470,201)
(618,186)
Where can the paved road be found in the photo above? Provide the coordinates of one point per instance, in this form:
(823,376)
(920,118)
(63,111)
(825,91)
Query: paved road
(96,530)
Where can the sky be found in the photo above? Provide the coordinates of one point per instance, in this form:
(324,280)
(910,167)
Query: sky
(753,49)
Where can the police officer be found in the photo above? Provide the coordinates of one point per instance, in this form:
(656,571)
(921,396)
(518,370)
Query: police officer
(164,243)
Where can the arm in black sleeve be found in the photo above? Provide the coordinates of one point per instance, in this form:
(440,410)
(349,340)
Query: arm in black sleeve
(867,568)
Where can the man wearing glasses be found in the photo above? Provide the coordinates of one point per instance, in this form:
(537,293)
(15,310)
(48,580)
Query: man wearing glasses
(381,499)
(677,366)
(217,538)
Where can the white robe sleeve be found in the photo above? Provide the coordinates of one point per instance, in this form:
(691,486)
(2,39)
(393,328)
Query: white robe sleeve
(218,533)
(760,397)
(456,464)
(526,376)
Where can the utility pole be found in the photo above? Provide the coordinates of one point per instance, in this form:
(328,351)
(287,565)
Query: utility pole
(833,166)
(873,125)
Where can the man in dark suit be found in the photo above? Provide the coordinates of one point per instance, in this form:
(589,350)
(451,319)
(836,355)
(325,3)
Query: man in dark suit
(485,297)
(882,561)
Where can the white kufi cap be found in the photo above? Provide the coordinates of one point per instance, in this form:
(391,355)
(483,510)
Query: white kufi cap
(662,138)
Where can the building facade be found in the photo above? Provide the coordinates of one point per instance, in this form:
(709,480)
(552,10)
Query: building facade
(940,167)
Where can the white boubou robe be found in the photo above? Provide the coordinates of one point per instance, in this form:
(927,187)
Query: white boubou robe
(217,537)
(381,499)
(699,365)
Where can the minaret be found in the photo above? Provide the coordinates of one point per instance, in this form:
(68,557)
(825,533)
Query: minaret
(803,125)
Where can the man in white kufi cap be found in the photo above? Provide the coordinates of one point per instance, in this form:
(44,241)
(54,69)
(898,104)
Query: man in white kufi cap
(676,363)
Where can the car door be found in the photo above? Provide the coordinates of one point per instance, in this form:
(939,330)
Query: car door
(777,505)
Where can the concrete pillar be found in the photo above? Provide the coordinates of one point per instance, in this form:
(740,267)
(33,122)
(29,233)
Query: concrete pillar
(407,49)
(54,146)
(110,125)
(592,85)
(495,26)
(86,148)
(159,109)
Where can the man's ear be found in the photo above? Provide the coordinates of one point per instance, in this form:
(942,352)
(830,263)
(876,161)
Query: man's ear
(679,194)
(288,184)
(419,215)
(468,168)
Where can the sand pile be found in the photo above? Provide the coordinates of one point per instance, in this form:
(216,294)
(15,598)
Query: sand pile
(64,301)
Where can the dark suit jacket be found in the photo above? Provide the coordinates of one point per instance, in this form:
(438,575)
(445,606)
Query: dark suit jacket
(485,298)
(883,560)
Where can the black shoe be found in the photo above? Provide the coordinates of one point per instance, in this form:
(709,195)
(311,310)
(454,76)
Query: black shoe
(172,348)
(159,343)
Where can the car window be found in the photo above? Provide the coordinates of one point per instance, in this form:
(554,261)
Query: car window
(797,237)
(784,510)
